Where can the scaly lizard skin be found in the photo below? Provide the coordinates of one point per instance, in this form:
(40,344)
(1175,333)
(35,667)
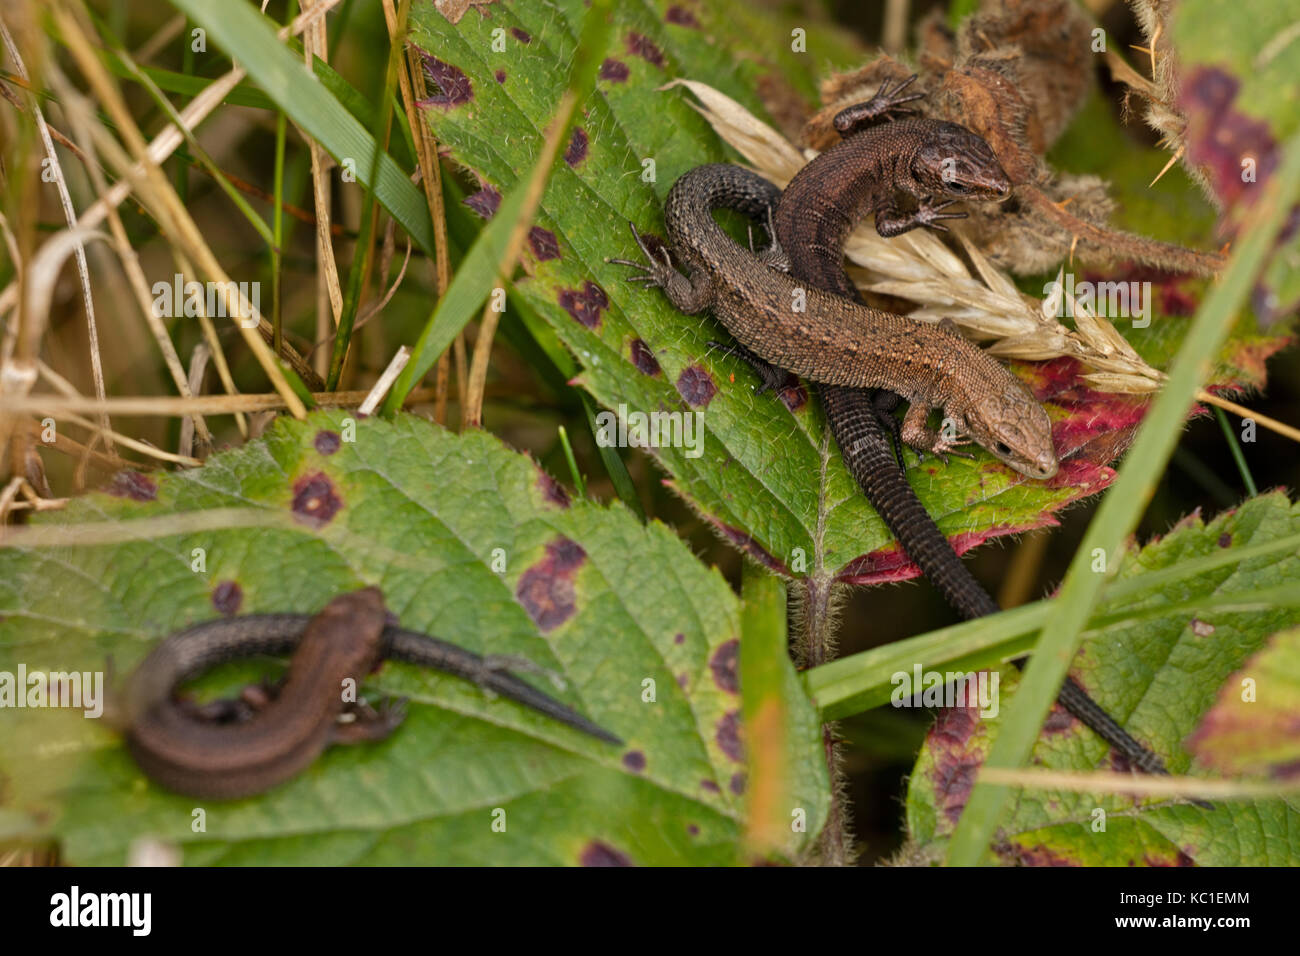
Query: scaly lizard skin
(858,177)
(828,339)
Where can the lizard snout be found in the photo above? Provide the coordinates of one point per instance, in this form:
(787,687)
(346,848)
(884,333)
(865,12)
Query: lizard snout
(1046,466)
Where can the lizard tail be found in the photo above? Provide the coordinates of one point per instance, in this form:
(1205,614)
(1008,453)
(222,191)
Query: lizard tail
(720,186)
(867,452)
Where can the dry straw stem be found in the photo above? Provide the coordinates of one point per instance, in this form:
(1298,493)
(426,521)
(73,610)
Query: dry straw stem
(918,267)
(31,500)
(385,382)
(90,122)
(169,138)
(159,149)
(316,43)
(89,130)
(72,447)
(1270,423)
(411,80)
(66,388)
(156,192)
(1140,784)
(69,215)
(168,405)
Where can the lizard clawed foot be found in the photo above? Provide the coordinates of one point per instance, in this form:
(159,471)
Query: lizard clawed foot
(945,447)
(770,378)
(886,101)
(360,722)
(657,271)
(931,212)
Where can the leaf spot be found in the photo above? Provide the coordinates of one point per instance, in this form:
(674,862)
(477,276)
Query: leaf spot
(314,498)
(546,589)
(724,664)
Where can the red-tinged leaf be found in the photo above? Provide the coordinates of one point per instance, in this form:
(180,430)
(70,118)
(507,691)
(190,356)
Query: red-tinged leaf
(1254,727)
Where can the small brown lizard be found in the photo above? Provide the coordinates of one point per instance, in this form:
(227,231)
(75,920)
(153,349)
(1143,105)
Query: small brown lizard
(223,760)
(237,748)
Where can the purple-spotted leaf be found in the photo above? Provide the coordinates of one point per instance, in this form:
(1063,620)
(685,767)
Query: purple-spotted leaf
(1159,674)
(470,542)
(1239,77)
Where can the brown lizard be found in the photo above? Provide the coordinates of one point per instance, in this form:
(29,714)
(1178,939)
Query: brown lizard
(237,748)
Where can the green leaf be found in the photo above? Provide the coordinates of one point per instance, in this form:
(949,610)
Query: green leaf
(1239,79)
(767,475)
(495,253)
(768,478)
(861,681)
(1156,662)
(1252,726)
(616,608)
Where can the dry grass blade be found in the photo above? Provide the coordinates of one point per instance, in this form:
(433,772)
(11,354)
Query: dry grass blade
(167,141)
(330,291)
(167,405)
(412,85)
(157,193)
(69,215)
(87,128)
(1272,424)
(385,382)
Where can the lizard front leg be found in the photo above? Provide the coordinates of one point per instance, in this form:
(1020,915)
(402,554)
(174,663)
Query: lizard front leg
(690,295)
(367,723)
(888,100)
(919,436)
(891,222)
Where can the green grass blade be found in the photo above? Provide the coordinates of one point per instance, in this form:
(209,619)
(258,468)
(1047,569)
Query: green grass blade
(861,681)
(1238,455)
(364,250)
(250,40)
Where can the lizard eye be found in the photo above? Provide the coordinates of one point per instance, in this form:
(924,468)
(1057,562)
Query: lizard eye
(956,187)
(1001,449)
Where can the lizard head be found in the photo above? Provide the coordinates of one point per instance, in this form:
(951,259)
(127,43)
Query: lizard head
(955,163)
(1016,429)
